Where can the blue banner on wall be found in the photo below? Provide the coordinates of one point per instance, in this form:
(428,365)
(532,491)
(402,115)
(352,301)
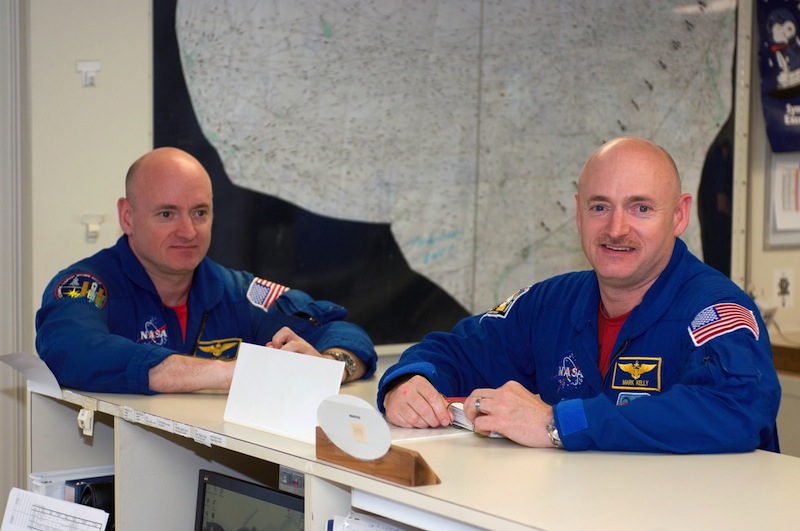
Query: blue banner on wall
(779,64)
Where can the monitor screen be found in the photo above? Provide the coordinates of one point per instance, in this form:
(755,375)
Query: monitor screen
(225,503)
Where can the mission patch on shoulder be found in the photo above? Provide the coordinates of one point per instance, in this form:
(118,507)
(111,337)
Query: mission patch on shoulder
(83,285)
(502,309)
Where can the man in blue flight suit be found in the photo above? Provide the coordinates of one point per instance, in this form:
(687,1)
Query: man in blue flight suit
(651,350)
(153,314)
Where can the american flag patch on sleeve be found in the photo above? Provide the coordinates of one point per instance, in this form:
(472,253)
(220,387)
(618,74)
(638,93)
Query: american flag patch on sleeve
(719,319)
(263,293)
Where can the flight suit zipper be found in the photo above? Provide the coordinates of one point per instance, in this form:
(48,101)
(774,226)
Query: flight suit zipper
(613,360)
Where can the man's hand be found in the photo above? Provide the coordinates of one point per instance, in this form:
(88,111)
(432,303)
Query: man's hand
(287,339)
(415,403)
(512,411)
(185,374)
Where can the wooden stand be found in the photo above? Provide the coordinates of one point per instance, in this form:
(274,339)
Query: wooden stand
(399,465)
(786,357)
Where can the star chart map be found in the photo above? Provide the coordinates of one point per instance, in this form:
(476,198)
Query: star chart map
(462,124)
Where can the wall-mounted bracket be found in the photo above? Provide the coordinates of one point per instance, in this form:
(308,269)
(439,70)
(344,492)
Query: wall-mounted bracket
(88,70)
(86,421)
(92,224)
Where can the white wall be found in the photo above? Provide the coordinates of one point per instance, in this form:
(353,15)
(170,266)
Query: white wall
(84,138)
(76,145)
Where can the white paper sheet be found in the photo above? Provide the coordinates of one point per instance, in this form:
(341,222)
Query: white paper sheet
(40,378)
(785,194)
(28,511)
(279,392)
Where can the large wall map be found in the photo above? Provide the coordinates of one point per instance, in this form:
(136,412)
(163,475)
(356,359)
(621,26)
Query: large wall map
(462,123)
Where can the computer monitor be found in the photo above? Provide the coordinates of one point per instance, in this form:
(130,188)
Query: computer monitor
(225,503)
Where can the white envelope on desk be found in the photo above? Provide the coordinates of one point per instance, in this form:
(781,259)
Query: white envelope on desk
(279,392)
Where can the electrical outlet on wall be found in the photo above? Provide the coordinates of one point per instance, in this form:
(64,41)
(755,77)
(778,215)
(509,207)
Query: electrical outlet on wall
(783,285)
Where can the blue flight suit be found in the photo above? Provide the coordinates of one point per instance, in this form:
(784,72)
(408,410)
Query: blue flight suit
(691,369)
(102,325)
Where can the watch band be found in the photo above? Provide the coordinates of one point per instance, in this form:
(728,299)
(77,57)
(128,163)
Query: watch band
(552,431)
(349,362)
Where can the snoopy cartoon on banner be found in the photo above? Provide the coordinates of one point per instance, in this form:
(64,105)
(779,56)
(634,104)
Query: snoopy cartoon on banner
(779,66)
(785,44)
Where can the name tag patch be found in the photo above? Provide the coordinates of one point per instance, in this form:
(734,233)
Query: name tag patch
(637,374)
(222,349)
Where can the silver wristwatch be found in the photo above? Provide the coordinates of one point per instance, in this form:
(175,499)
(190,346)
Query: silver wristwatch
(552,431)
(349,362)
